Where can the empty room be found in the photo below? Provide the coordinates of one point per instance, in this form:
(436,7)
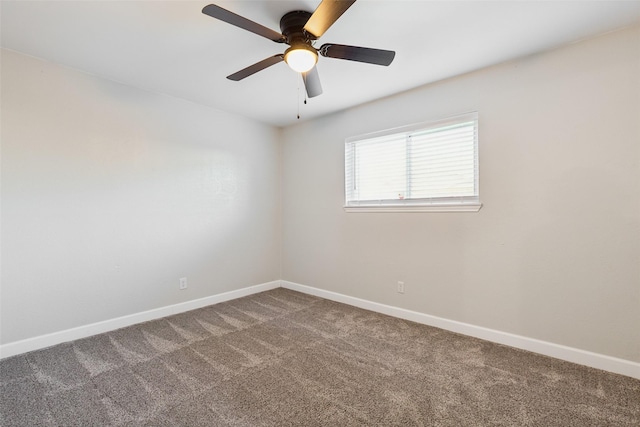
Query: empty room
(320,213)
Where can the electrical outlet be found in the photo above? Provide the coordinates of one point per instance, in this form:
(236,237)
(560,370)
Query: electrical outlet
(401,287)
(183,283)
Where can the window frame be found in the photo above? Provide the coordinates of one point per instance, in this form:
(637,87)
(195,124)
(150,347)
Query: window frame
(435,204)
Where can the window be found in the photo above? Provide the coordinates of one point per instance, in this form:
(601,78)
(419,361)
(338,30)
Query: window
(426,167)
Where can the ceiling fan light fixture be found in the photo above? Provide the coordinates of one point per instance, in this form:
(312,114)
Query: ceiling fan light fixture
(301,58)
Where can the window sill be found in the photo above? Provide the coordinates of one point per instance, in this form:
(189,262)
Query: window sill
(467,207)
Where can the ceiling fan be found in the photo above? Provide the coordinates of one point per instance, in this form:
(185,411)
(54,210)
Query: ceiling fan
(299,30)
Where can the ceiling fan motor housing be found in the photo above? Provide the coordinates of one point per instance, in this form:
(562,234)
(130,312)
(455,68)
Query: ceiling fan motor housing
(292,27)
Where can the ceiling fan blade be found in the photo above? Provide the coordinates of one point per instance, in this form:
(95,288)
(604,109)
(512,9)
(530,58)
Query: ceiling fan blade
(312,82)
(244,23)
(360,54)
(325,15)
(258,66)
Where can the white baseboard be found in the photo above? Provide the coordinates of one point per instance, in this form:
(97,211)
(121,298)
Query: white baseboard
(43,341)
(569,354)
(582,357)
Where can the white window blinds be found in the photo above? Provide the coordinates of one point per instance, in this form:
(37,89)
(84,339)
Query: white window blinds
(427,165)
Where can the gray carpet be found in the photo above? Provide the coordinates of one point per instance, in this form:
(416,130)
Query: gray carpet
(284,358)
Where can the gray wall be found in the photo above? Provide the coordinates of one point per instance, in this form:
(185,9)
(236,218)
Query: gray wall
(110,194)
(554,254)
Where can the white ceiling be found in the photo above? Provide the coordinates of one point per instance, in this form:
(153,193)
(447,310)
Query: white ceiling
(170,47)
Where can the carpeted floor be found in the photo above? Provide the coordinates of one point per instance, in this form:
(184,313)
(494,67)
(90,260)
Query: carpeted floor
(284,358)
